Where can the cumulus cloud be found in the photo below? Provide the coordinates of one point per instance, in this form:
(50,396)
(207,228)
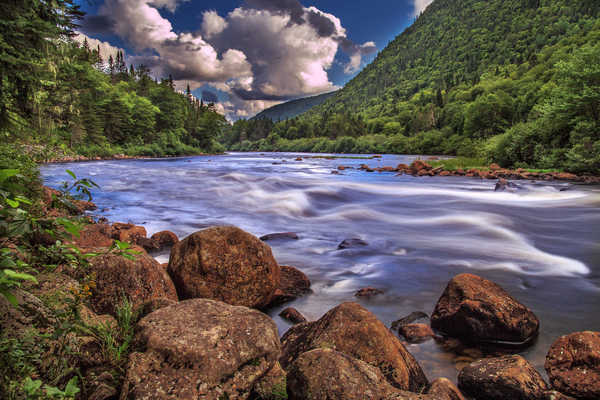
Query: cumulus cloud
(421,5)
(106,49)
(261,53)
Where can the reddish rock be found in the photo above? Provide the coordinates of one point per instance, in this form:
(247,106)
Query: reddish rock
(292,315)
(128,232)
(293,284)
(368,292)
(495,167)
(299,159)
(272,386)
(138,280)
(554,395)
(443,389)
(508,377)
(201,349)
(402,167)
(48,194)
(165,239)
(94,236)
(328,374)
(354,331)
(83,206)
(387,169)
(416,333)
(418,165)
(573,365)
(341,168)
(476,309)
(227,264)
(565,176)
(445,173)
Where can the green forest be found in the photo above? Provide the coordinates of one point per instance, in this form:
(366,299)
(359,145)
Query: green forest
(516,82)
(69,98)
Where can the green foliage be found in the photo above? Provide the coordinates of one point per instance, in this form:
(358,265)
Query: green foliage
(292,108)
(512,81)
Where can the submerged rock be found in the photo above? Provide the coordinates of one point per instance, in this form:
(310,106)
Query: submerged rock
(505,186)
(201,348)
(476,309)
(356,332)
(280,236)
(573,365)
(508,377)
(351,243)
(416,333)
(414,316)
(368,292)
(227,264)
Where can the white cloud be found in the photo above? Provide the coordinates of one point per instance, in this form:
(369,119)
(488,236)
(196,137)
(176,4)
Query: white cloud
(106,49)
(421,5)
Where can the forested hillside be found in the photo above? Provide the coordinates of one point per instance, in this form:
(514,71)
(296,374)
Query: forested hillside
(68,97)
(292,108)
(514,81)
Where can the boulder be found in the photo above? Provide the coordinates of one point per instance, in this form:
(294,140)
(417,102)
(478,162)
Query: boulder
(293,284)
(201,348)
(573,365)
(280,236)
(272,386)
(414,316)
(509,377)
(139,280)
(503,185)
(164,239)
(94,236)
(292,315)
(328,374)
(478,310)
(353,330)
(227,264)
(416,333)
(495,167)
(30,312)
(443,389)
(128,233)
(419,165)
(351,243)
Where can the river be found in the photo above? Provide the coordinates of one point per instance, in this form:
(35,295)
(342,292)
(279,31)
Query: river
(541,243)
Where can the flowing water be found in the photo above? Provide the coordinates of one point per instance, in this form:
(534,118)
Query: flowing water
(541,243)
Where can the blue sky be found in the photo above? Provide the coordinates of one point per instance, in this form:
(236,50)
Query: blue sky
(251,53)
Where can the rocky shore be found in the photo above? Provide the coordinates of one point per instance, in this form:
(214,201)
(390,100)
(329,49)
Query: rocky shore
(201,332)
(494,171)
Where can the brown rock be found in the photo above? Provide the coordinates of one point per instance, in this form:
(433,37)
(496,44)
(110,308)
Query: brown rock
(226,264)
(508,377)
(476,309)
(402,167)
(341,168)
(419,165)
(416,333)
(152,305)
(573,365)
(495,167)
(90,318)
(443,389)
(368,292)
(138,280)
(565,176)
(128,232)
(445,173)
(30,311)
(280,236)
(272,386)
(94,236)
(83,206)
(293,284)
(554,395)
(299,159)
(353,330)
(293,315)
(164,239)
(328,374)
(201,348)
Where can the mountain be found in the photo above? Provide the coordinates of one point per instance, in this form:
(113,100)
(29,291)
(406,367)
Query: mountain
(512,81)
(292,108)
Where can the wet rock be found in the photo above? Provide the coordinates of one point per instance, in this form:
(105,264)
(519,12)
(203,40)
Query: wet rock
(418,165)
(414,316)
(565,176)
(352,243)
(292,315)
(476,309)
(164,239)
(293,284)
(503,185)
(201,348)
(554,395)
(328,374)
(353,330)
(299,159)
(443,389)
(138,280)
(368,292)
(402,167)
(445,173)
(573,365)
(227,264)
(335,172)
(280,236)
(508,377)
(416,333)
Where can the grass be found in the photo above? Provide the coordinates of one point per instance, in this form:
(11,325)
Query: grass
(452,164)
